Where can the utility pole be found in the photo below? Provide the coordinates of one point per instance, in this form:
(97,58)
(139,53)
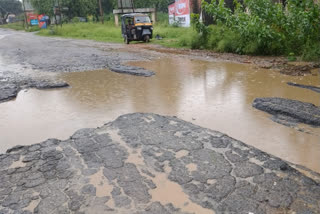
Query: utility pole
(121,5)
(132,5)
(25,15)
(101,12)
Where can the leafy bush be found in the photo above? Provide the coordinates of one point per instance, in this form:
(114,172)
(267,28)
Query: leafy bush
(14,26)
(75,20)
(292,57)
(162,18)
(311,51)
(261,27)
(33,29)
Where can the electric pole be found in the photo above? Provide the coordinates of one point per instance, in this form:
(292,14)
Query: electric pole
(132,4)
(60,13)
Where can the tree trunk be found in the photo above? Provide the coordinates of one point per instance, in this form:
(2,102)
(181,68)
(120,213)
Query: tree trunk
(25,14)
(60,13)
(2,21)
(101,12)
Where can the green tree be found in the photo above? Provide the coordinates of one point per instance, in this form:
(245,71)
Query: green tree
(81,8)
(43,6)
(71,8)
(161,5)
(7,7)
(109,5)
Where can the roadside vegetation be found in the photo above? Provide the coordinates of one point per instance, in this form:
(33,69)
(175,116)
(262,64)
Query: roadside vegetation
(14,26)
(260,27)
(20,26)
(106,32)
(171,36)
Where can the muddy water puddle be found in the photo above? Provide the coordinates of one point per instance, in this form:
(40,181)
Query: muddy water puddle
(166,191)
(216,95)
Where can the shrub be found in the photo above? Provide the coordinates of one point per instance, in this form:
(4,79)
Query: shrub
(75,20)
(262,27)
(311,51)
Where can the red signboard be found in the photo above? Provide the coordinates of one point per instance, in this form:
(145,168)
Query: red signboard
(35,19)
(172,9)
(31,16)
(182,7)
(179,12)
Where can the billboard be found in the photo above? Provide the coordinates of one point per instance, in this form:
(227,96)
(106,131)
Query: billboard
(43,21)
(179,12)
(40,20)
(32,19)
(171,11)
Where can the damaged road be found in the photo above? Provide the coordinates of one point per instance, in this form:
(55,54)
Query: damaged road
(310,87)
(13,83)
(139,163)
(21,52)
(290,110)
(122,166)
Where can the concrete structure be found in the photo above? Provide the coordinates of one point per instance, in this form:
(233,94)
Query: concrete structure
(118,12)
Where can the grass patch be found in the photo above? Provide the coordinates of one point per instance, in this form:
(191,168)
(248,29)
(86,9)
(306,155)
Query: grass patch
(108,32)
(20,26)
(174,36)
(93,31)
(13,26)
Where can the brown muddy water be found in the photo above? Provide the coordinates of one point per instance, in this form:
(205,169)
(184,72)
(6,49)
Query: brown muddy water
(216,95)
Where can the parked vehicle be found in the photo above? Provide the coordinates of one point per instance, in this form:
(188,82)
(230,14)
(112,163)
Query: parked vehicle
(136,27)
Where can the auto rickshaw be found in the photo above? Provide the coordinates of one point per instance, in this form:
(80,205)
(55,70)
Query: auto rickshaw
(136,27)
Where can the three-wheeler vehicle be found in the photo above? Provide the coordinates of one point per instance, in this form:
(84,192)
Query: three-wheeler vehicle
(136,27)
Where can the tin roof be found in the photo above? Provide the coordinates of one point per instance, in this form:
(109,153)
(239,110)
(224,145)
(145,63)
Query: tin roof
(133,14)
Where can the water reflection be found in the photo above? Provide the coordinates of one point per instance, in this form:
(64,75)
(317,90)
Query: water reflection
(213,95)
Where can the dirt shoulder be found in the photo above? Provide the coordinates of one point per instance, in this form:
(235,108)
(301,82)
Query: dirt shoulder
(266,62)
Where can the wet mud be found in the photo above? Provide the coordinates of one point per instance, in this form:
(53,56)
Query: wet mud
(299,69)
(278,63)
(125,166)
(291,110)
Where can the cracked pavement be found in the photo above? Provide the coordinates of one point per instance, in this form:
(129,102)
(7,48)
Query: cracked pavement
(292,111)
(26,61)
(140,162)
